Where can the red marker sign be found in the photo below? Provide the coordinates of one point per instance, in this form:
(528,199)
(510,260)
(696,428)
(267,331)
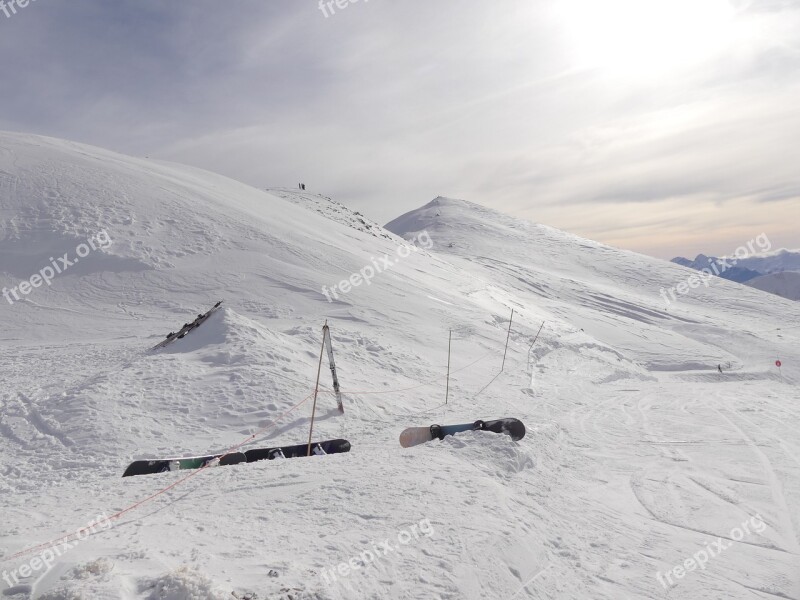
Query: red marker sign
(778,364)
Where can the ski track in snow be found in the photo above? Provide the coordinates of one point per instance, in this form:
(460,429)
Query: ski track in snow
(638,452)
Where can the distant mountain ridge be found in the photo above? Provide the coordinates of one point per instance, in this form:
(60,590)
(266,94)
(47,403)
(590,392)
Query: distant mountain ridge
(719,267)
(785,284)
(770,272)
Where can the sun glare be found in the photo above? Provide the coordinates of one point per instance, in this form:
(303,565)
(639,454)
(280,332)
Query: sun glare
(641,37)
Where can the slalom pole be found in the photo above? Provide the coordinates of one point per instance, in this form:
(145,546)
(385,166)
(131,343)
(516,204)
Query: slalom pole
(533,343)
(508,337)
(316,389)
(449,342)
(536,338)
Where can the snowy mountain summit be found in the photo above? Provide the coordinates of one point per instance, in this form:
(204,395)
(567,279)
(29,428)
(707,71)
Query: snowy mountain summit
(658,433)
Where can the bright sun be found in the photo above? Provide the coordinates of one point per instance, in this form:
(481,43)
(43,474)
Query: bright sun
(646,37)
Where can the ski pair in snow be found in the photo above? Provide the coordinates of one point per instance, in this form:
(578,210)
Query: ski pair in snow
(187,327)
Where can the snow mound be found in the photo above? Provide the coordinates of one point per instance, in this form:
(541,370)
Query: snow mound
(186,584)
(496,454)
(234,335)
(95,568)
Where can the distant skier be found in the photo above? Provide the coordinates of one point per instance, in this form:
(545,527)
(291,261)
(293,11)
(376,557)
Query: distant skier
(719,368)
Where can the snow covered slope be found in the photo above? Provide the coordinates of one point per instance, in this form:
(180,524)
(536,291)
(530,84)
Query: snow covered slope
(639,452)
(613,296)
(336,211)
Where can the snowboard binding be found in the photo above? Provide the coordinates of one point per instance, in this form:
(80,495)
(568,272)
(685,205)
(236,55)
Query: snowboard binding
(438,434)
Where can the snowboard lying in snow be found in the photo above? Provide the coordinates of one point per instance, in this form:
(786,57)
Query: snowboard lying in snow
(317,449)
(187,327)
(148,467)
(419,435)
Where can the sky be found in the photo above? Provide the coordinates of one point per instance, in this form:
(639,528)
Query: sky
(665,127)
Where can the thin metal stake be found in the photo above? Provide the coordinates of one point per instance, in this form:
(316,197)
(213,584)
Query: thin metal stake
(316,388)
(507,338)
(537,337)
(449,341)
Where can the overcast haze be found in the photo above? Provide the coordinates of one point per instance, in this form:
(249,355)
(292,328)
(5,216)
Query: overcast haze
(663,127)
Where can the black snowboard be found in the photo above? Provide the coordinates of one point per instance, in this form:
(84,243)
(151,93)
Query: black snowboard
(148,467)
(317,448)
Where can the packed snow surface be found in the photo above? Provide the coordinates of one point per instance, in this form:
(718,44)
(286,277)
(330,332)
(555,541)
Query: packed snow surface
(660,435)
